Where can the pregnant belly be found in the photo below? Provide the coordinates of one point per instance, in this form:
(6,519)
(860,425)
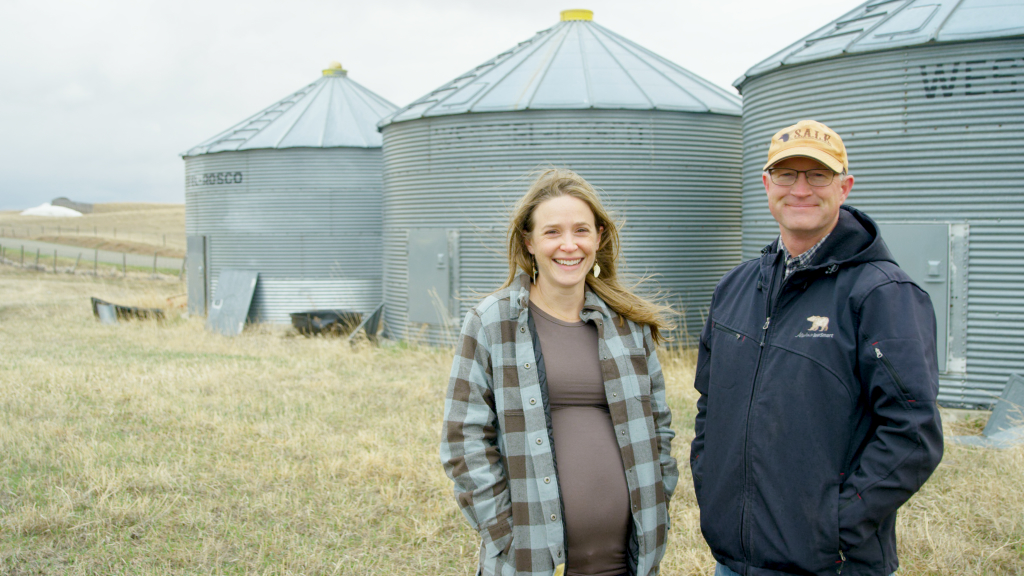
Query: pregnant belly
(594,490)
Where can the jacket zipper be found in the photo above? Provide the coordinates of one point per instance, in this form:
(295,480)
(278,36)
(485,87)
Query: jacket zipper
(842,562)
(744,533)
(895,375)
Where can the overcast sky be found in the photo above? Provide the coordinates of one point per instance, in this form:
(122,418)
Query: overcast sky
(99,98)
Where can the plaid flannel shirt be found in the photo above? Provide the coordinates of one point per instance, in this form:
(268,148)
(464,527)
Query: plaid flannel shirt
(800,261)
(496,444)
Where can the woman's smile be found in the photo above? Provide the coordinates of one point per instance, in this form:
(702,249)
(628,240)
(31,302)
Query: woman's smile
(564,241)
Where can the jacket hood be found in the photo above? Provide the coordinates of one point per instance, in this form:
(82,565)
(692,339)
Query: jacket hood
(855,240)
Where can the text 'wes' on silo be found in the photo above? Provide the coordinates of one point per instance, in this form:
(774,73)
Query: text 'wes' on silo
(661,143)
(292,193)
(928,96)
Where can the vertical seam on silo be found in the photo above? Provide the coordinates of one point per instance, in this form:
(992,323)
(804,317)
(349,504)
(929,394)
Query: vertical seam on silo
(542,74)
(942,24)
(329,82)
(628,45)
(235,128)
(308,101)
(535,43)
(586,69)
(650,102)
(371,101)
(350,111)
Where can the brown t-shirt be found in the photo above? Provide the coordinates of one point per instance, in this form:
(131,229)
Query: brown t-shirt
(590,472)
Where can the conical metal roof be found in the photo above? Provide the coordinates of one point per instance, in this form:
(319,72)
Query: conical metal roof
(885,24)
(334,111)
(576,64)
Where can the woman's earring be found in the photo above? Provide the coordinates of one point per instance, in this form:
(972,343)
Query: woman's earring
(597,269)
(534,270)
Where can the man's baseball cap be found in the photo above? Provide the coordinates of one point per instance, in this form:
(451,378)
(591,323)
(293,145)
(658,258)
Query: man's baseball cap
(812,140)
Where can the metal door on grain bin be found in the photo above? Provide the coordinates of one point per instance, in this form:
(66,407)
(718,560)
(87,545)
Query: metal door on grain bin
(431,269)
(933,254)
(195,262)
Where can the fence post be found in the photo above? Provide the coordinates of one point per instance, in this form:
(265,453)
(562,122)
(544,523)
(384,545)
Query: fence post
(182,273)
(96,262)
(124,264)
(22,255)
(77,260)
(37,257)
(55,261)
(154,263)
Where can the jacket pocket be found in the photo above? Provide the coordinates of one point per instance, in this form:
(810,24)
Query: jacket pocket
(887,354)
(734,359)
(728,331)
(497,551)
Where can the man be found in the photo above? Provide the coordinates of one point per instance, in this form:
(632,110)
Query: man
(817,375)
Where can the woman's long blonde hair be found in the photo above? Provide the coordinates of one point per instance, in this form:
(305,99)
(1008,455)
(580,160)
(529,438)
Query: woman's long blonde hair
(553,183)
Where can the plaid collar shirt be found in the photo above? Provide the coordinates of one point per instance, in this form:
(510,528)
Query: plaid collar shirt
(496,444)
(800,261)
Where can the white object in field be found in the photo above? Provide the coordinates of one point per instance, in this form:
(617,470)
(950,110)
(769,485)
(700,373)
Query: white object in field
(50,210)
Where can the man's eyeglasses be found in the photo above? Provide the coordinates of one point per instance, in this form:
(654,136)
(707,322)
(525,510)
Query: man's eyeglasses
(788,176)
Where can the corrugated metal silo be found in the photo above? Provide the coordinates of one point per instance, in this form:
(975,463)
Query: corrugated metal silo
(293,192)
(928,96)
(662,144)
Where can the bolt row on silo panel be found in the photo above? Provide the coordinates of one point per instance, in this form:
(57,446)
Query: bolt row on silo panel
(935,134)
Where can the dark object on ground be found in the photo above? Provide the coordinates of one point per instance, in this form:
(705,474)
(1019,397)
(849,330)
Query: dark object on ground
(1005,426)
(109,313)
(82,207)
(370,324)
(326,322)
(231,300)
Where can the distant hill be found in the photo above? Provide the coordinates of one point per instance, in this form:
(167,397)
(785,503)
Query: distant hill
(140,225)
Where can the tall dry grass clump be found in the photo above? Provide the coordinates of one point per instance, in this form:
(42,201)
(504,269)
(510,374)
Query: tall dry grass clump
(159,448)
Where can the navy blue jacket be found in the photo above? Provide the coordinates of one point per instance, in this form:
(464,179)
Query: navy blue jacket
(817,415)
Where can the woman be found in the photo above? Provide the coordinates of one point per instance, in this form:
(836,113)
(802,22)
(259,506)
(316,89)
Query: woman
(556,430)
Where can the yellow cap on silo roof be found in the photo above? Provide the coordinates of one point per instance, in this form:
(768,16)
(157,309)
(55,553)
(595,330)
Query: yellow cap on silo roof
(335,69)
(577,14)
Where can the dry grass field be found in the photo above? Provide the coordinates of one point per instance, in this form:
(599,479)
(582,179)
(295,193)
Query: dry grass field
(159,448)
(119,227)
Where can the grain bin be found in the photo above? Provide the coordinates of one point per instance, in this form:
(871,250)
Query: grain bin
(294,193)
(662,144)
(929,99)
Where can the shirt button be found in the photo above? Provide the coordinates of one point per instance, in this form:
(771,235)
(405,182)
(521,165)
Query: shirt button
(559,554)
(547,480)
(622,432)
(533,401)
(615,394)
(522,329)
(527,365)
(553,517)
(539,441)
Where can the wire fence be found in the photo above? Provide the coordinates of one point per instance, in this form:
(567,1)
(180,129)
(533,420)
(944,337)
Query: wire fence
(70,260)
(171,239)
